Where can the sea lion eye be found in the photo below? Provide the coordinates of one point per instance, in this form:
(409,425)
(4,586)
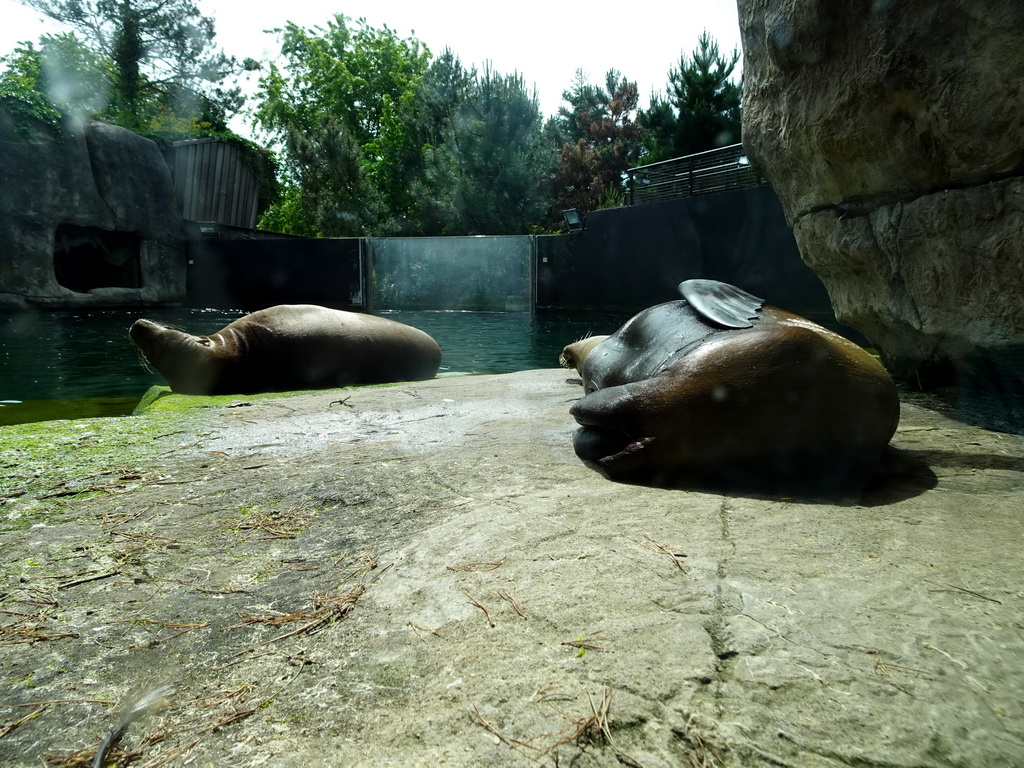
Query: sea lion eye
(589,387)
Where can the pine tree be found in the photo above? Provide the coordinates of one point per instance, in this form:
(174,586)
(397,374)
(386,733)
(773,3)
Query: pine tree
(702,108)
(601,139)
(486,175)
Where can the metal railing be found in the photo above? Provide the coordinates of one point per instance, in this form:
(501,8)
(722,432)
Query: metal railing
(716,170)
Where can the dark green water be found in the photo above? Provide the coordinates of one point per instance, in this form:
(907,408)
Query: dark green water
(78,364)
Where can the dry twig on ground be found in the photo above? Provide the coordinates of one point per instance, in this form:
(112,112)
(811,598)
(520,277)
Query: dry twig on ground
(515,603)
(417,628)
(32,624)
(264,526)
(482,607)
(653,545)
(325,609)
(30,716)
(476,566)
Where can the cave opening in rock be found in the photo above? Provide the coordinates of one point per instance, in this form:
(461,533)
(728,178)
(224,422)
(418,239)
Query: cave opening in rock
(85,258)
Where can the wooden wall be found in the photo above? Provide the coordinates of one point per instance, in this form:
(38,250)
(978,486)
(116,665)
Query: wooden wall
(213,183)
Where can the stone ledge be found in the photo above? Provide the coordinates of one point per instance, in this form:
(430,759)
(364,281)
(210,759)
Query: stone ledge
(310,573)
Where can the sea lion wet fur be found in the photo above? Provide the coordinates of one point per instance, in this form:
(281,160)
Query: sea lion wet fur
(287,347)
(719,389)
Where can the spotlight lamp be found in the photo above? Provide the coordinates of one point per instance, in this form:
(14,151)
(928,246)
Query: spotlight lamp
(573,220)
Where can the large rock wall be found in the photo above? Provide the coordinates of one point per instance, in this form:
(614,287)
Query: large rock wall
(893,133)
(104,178)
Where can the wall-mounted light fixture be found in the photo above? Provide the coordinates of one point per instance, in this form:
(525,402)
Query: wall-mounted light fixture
(573,220)
(208,230)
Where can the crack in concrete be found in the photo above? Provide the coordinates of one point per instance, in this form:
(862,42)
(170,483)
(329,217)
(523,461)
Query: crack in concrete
(715,626)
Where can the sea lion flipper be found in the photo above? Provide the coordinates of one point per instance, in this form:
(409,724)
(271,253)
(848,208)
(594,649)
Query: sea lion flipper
(721,303)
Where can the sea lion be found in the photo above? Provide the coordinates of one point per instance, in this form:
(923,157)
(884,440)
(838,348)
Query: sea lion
(286,347)
(719,389)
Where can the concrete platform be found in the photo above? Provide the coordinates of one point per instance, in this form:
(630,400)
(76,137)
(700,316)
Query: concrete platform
(425,574)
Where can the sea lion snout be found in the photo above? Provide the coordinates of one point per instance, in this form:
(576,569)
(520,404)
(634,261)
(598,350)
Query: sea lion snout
(574,354)
(145,335)
(142,329)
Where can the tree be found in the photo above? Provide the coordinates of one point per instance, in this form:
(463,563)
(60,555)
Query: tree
(576,179)
(602,140)
(378,138)
(163,62)
(443,92)
(702,108)
(441,97)
(338,109)
(485,176)
(586,102)
(60,80)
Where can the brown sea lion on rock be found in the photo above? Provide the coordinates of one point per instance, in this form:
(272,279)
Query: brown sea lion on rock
(290,346)
(724,391)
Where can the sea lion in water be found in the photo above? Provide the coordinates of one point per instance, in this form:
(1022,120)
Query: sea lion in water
(290,346)
(721,390)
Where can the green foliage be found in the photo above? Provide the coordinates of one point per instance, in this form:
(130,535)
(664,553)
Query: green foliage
(286,215)
(74,76)
(484,176)
(61,82)
(587,103)
(378,139)
(613,196)
(443,92)
(21,96)
(601,139)
(150,62)
(701,109)
(337,110)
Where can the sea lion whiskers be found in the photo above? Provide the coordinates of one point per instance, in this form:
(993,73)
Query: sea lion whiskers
(574,354)
(564,358)
(143,360)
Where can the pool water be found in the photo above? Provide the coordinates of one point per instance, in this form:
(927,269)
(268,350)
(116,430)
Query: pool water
(78,364)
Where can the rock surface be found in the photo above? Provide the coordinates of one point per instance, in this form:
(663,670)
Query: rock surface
(893,134)
(103,178)
(425,574)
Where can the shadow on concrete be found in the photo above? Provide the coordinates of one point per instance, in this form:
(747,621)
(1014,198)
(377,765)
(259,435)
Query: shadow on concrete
(901,475)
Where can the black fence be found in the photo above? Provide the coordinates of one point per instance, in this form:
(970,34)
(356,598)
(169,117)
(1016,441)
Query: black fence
(716,170)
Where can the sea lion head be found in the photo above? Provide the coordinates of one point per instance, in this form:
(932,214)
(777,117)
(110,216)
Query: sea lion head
(189,363)
(574,354)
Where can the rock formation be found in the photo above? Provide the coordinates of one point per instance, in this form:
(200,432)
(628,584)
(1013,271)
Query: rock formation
(87,219)
(893,133)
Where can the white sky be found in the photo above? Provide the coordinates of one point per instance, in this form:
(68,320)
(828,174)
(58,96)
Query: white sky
(546,42)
